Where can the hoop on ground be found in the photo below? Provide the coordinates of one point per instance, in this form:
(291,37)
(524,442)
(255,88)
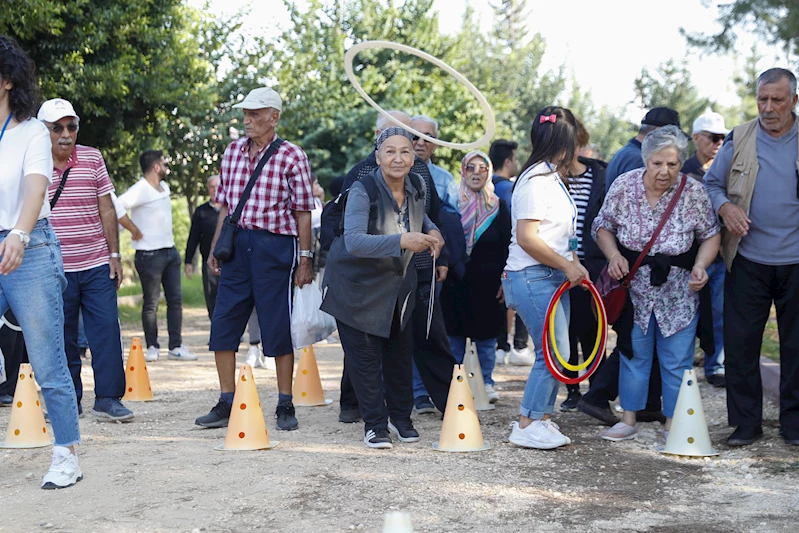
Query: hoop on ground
(487,111)
(548,340)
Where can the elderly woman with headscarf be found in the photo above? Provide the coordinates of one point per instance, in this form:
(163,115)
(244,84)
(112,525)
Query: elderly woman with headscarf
(472,306)
(663,303)
(369,288)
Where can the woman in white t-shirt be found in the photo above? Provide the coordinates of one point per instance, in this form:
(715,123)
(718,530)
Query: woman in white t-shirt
(542,255)
(31,270)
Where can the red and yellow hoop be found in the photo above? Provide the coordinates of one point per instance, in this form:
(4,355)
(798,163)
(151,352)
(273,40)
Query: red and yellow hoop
(549,344)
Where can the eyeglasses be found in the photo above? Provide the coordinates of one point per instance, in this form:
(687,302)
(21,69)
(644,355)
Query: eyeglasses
(482,169)
(416,138)
(715,137)
(58,128)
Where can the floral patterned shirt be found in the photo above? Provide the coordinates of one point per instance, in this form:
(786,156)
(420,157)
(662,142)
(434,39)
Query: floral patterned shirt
(627,214)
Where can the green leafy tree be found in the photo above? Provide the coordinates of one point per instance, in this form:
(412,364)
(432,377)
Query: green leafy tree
(776,21)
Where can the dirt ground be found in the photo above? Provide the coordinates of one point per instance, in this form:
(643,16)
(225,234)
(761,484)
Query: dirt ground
(160,473)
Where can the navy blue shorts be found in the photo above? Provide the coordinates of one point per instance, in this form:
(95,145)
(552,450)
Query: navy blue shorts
(259,274)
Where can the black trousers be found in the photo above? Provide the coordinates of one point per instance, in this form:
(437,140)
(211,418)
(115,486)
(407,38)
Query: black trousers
(210,288)
(749,290)
(605,383)
(12,343)
(381,373)
(582,330)
(432,355)
(519,335)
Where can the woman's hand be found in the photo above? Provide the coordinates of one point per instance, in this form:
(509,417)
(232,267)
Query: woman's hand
(576,274)
(618,267)
(501,294)
(418,242)
(698,278)
(12,251)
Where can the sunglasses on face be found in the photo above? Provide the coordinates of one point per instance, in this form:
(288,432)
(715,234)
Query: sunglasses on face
(482,169)
(58,128)
(416,138)
(715,137)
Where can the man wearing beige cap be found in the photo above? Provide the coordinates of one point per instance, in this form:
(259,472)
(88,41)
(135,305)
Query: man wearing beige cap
(275,215)
(84,219)
(709,132)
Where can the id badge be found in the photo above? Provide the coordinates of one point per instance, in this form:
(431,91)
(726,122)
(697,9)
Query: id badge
(573,243)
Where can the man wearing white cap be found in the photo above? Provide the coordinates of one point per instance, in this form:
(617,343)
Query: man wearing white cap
(709,132)
(708,135)
(84,219)
(275,215)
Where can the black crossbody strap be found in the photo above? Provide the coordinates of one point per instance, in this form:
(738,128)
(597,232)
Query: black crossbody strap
(60,189)
(234,219)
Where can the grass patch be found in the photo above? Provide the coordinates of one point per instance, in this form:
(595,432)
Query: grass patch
(771,338)
(193,296)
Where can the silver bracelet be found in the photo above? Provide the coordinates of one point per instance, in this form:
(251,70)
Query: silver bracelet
(115,255)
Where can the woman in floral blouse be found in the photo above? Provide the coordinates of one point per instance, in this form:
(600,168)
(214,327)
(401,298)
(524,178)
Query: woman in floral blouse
(663,291)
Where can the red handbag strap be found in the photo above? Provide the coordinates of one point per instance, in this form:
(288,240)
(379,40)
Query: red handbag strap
(664,218)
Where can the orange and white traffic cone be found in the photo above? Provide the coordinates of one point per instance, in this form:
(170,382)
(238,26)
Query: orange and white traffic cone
(460,431)
(137,379)
(246,429)
(308,390)
(26,427)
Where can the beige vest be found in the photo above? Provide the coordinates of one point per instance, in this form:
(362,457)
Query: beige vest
(741,181)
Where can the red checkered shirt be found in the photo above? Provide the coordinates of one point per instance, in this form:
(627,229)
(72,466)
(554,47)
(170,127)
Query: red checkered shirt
(283,187)
(76,215)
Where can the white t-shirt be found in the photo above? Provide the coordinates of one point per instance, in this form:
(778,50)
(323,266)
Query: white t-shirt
(25,149)
(540,195)
(151,211)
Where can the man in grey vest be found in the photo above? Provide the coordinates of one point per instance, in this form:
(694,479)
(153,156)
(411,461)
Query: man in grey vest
(754,186)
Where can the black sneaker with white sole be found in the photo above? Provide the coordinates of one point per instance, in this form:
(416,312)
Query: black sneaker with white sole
(404,431)
(286,421)
(217,418)
(378,438)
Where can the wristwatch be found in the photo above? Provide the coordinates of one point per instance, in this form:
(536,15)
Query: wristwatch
(115,255)
(306,253)
(24,237)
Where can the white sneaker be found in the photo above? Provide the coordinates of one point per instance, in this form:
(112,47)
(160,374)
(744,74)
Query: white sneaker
(555,429)
(181,353)
(152,354)
(493,395)
(254,356)
(525,357)
(64,470)
(502,357)
(537,435)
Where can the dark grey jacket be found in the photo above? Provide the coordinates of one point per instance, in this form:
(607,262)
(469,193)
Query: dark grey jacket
(364,291)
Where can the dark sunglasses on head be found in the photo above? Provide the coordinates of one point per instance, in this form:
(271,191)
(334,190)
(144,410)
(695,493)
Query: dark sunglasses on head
(58,128)
(416,138)
(715,137)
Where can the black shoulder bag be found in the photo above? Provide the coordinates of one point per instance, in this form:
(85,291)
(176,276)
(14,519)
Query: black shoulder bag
(60,189)
(226,242)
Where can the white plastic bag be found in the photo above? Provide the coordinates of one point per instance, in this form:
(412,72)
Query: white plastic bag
(308,324)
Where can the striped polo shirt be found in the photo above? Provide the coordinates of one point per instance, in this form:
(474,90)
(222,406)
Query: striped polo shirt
(76,215)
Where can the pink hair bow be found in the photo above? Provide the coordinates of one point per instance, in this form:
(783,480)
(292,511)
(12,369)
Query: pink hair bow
(547,118)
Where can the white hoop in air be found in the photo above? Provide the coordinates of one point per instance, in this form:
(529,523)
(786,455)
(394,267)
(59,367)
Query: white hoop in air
(487,111)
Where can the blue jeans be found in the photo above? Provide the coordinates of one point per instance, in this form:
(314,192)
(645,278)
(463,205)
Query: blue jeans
(486,353)
(33,292)
(675,354)
(716,272)
(528,292)
(93,294)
